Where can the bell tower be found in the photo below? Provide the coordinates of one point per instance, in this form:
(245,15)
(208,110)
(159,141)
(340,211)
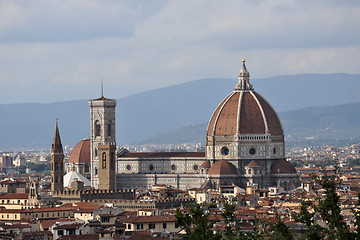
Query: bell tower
(107,166)
(102,132)
(57,162)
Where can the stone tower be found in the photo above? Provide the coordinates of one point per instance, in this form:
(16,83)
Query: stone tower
(57,162)
(102,131)
(107,166)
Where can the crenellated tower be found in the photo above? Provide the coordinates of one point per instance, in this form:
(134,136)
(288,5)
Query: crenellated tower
(107,166)
(57,162)
(102,132)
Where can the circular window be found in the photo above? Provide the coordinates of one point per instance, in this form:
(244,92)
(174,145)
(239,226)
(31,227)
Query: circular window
(128,167)
(225,151)
(274,150)
(252,151)
(173,167)
(151,167)
(195,167)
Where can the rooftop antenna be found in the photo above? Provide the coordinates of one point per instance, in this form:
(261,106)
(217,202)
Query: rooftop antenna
(102,88)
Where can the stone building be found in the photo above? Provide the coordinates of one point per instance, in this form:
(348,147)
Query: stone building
(244,147)
(57,162)
(73,187)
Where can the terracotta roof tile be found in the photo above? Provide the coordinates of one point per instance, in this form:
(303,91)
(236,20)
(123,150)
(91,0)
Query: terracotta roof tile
(148,219)
(282,166)
(272,118)
(46,224)
(206,164)
(253,163)
(226,119)
(81,152)
(222,167)
(69,226)
(15,196)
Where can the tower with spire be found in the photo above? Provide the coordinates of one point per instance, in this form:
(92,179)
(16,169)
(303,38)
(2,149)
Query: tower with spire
(102,132)
(57,162)
(244,79)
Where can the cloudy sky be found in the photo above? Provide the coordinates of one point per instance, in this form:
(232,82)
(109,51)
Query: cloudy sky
(60,50)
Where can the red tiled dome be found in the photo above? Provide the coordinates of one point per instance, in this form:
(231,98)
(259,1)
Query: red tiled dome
(282,167)
(244,111)
(81,152)
(222,167)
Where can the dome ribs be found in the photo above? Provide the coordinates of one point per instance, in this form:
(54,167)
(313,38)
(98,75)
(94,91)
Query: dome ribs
(215,116)
(81,152)
(227,119)
(222,167)
(273,122)
(251,119)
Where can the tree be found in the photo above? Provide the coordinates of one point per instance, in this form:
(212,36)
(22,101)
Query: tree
(279,231)
(327,208)
(195,222)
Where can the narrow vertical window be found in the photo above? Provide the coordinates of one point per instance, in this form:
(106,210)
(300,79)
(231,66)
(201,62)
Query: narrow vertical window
(112,159)
(109,129)
(97,128)
(104,160)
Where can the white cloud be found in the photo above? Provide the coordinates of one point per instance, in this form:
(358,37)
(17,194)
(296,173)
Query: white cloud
(52,49)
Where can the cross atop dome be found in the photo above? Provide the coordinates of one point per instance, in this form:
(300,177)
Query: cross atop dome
(244,79)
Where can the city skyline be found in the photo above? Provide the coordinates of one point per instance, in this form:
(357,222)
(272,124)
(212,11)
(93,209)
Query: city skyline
(60,50)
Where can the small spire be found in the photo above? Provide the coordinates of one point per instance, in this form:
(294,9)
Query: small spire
(244,78)
(102,89)
(57,146)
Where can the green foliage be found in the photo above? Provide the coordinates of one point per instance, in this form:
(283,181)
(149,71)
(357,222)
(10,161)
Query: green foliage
(195,223)
(354,162)
(327,208)
(356,213)
(279,231)
(324,207)
(314,229)
(38,167)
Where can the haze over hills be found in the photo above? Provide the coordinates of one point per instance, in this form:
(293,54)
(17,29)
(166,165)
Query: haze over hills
(333,125)
(150,113)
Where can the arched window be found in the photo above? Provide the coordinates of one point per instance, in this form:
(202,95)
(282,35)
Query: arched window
(109,129)
(249,171)
(97,128)
(104,160)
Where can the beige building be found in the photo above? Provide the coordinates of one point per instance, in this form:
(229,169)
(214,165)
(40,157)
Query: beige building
(11,215)
(12,186)
(15,201)
(151,223)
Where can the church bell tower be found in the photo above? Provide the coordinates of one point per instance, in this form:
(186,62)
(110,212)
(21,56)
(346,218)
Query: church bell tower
(107,166)
(57,162)
(102,132)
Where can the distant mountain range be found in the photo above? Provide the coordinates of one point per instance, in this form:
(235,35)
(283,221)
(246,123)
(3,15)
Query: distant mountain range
(144,115)
(333,125)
